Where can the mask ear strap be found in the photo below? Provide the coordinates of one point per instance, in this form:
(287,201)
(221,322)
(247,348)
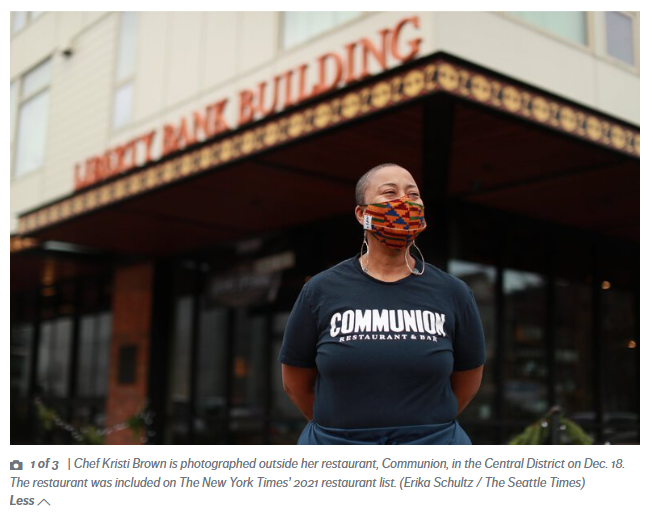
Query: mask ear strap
(367,250)
(415,271)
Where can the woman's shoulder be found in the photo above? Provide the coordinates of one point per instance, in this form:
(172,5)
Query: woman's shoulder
(330,282)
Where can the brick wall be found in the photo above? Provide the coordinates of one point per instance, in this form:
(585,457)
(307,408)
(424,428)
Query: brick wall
(132,307)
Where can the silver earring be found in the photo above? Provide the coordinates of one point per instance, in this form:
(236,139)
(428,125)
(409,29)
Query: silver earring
(367,250)
(414,271)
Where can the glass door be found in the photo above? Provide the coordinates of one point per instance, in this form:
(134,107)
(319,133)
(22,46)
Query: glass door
(250,371)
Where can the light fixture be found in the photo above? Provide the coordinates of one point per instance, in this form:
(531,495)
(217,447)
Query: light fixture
(48,273)
(56,246)
(632,344)
(605,285)
(68,48)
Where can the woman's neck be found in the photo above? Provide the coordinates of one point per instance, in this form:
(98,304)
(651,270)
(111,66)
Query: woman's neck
(383,263)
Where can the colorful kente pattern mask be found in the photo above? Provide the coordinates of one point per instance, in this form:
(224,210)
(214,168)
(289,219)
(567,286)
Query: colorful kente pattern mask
(395,223)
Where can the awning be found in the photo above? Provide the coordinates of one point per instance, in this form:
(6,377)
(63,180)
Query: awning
(512,145)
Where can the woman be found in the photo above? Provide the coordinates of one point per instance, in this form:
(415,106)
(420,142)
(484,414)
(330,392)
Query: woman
(384,348)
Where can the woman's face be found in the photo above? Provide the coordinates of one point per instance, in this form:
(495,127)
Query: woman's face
(389,183)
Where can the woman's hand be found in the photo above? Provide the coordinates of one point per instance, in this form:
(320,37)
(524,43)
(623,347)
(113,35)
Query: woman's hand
(465,384)
(299,384)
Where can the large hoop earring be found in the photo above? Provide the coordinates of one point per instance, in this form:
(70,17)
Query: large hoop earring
(414,271)
(367,250)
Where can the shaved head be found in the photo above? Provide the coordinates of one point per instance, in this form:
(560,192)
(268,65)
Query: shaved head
(364,182)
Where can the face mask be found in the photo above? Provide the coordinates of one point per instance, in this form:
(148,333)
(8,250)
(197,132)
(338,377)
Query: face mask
(395,223)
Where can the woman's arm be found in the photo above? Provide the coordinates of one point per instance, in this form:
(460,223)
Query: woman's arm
(465,384)
(299,384)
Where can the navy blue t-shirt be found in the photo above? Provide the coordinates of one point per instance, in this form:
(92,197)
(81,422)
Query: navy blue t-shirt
(384,351)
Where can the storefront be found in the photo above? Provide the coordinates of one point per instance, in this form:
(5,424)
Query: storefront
(170,282)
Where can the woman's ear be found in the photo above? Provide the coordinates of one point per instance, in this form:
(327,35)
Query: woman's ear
(359,211)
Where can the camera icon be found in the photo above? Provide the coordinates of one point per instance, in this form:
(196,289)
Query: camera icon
(15,464)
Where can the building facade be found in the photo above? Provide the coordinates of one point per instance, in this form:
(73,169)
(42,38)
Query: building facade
(177,177)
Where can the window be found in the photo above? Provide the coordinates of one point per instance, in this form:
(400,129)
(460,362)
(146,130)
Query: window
(29,118)
(299,26)
(126,46)
(20,343)
(93,354)
(54,357)
(619,36)
(125,69)
(14,109)
(19,19)
(481,279)
(571,25)
(525,365)
(122,105)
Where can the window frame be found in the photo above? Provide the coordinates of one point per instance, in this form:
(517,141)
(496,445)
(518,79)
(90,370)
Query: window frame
(20,101)
(14,110)
(596,37)
(589,31)
(282,24)
(30,17)
(635,19)
(119,83)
